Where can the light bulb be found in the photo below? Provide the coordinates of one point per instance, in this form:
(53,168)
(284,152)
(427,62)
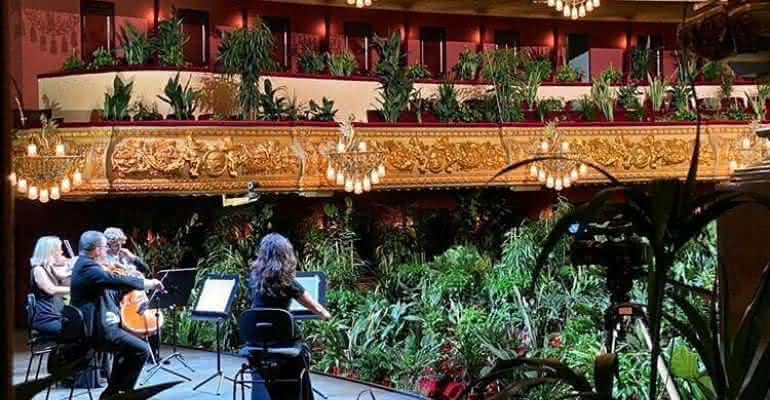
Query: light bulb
(544,145)
(589,6)
(340,178)
(367,3)
(31,150)
(367,183)
(12,178)
(55,193)
(59,149)
(381,170)
(582,11)
(358,187)
(574,12)
(351,2)
(573,174)
(583,169)
(362,146)
(558,184)
(32,193)
(541,176)
(375,177)
(348,185)
(359,3)
(533,170)
(551,3)
(559,5)
(22,185)
(746,143)
(65,185)
(733,166)
(77,178)
(330,173)
(549,182)
(564,147)
(43,196)
(567,181)
(597,3)
(340,147)
(566,10)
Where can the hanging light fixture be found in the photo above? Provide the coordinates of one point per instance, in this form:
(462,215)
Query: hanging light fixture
(556,173)
(573,9)
(44,171)
(352,164)
(359,3)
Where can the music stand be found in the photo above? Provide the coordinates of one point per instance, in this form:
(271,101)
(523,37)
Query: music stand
(214,304)
(178,284)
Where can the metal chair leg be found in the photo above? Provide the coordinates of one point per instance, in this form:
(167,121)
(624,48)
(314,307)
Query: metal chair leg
(29,365)
(39,364)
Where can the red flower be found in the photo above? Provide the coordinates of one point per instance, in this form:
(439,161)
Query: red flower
(452,390)
(555,341)
(428,387)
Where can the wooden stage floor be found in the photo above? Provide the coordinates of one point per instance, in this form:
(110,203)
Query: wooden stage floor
(204,364)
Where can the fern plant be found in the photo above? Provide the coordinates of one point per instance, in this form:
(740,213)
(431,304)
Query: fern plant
(137,47)
(395,84)
(468,65)
(116,103)
(170,41)
(248,53)
(311,61)
(322,112)
(183,100)
(101,58)
(341,64)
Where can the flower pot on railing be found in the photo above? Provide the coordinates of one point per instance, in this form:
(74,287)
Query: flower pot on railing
(96,116)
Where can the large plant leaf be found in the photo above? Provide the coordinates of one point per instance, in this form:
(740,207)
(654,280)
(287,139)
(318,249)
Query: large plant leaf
(748,342)
(684,363)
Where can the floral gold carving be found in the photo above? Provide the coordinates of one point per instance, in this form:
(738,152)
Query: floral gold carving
(647,153)
(441,156)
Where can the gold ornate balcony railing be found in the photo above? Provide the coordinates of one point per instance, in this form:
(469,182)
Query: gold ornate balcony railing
(222,159)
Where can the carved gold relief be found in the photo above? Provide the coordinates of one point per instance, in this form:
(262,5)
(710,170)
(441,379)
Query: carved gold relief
(647,153)
(441,156)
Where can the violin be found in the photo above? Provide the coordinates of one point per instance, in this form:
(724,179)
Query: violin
(136,316)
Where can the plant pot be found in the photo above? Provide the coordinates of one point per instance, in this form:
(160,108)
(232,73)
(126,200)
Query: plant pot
(96,116)
(374,116)
(205,117)
(531,115)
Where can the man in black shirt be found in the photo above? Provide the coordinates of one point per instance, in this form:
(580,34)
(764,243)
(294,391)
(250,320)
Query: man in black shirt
(91,287)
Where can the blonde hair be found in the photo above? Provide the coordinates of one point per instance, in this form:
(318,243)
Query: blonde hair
(46,248)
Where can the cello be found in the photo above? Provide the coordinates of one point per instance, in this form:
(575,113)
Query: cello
(136,316)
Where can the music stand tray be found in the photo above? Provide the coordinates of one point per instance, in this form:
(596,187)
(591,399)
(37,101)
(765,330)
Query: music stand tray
(178,284)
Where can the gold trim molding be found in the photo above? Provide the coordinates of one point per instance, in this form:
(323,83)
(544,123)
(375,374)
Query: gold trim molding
(194,160)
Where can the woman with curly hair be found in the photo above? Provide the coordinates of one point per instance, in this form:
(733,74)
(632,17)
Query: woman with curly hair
(273,284)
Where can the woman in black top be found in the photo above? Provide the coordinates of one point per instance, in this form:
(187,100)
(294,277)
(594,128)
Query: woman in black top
(50,273)
(273,285)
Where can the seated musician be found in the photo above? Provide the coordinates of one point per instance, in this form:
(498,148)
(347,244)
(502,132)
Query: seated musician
(117,254)
(273,285)
(92,284)
(50,273)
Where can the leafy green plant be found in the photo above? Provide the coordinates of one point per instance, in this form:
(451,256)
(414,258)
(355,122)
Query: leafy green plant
(568,73)
(641,57)
(446,106)
(248,53)
(656,91)
(628,97)
(417,104)
(273,107)
(712,71)
(498,67)
(548,106)
(142,112)
(73,63)
(341,64)
(137,47)
(611,76)
(726,85)
(418,71)
(101,58)
(323,112)
(541,69)
(396,84)
(310,61)
(604,95)
(687,67)
(468,65)
(183,100)
(758,102)
(116,103)
(586,108)
(170,41)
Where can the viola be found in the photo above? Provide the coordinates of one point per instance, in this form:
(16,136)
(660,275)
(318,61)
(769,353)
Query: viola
(135,313)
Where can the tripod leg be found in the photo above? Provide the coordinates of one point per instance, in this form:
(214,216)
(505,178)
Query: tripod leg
(671,389)
(183,362)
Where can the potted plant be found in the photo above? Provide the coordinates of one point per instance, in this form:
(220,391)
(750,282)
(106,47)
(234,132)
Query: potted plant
(712,71)
(549,109)
(505,99)
(101,59)
(143,112)
(611,76)
(273,107)
(418,71)
(116,103)
(248,52)
(568,73)
(641,57)
(183,100)
(630,106)
(73,63)
(395,83)
(341,64)
(758,101)
(656,93)
(170,41)
(468,65)
(310,61)
(323,112)
(603,95)
(584,109)
(137,47)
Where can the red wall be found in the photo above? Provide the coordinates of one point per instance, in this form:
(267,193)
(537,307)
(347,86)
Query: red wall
(52,29)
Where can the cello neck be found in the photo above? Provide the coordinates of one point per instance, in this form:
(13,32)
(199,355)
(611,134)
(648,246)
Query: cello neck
(69,248)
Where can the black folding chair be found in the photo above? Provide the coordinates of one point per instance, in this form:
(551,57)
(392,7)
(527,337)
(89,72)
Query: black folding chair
(39,344)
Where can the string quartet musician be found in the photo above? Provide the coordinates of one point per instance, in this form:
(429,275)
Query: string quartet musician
(273,284)
(50,274)
(92,291)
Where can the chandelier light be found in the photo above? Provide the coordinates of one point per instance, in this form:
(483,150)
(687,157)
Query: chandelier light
(359,3)
(352,164)
(555,174)
(45,170)
(573,9)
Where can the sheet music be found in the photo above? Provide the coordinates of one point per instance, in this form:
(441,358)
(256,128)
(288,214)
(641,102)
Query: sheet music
(214,295)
